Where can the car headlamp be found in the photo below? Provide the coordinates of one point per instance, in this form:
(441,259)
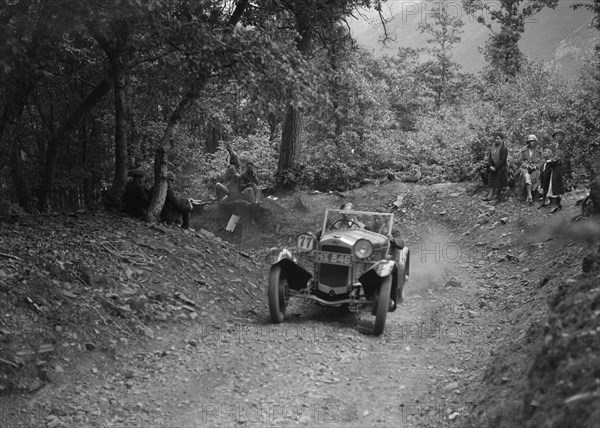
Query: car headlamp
(363,249)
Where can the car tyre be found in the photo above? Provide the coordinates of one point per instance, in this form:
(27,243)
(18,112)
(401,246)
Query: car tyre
(383,305)
(278,294)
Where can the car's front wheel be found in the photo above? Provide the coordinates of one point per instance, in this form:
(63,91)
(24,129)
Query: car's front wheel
(278,294)
(383,305)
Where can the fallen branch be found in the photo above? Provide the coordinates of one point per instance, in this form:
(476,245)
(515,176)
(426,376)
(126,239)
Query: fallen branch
(131,257)
(99,314)
(10,256)
(123,329)
(10,363)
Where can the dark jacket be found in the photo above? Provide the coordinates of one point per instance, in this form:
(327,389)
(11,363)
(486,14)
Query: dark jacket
(172,202)
(175,209)
(498,179)
(553,171)
(135,199)
(248,179)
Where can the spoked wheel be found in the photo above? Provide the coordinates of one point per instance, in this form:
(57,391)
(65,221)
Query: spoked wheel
(278,294)
(383,305)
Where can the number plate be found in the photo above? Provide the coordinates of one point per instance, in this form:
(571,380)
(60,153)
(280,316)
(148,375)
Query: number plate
(334,258)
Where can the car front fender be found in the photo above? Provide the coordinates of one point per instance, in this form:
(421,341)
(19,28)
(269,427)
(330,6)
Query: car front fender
(383,268)
(372,279)
(296,276)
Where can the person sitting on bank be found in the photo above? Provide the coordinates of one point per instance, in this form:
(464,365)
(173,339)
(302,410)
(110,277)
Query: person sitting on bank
(176,209)
(135,198)
(531,162)
(230,184)
(249,184)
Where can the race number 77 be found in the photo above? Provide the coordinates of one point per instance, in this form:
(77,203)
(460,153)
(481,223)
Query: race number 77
(306,242)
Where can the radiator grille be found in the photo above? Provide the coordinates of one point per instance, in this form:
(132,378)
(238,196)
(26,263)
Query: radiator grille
(334,275)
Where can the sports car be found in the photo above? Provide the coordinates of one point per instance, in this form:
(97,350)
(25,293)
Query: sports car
(356,260)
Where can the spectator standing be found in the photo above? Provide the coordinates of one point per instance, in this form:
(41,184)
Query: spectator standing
(497,167)
(554,170)
(249,183)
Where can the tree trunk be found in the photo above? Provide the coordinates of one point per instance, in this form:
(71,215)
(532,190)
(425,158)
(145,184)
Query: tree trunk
(595,194)
(121,135)
(166,144)
(117,50)
(134,148)
(27,75)
(49,174)
(214,136)
(18,178)
(8,125)
(291,139)
(291,136)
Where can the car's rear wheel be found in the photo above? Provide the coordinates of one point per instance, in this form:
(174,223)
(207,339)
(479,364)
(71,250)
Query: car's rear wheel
(383,305)
(278,294)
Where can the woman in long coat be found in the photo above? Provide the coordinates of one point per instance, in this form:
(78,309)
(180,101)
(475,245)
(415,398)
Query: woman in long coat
(497,167)
(553,172)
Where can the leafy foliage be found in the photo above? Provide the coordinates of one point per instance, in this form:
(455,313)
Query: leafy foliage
(364,118)
(502,51)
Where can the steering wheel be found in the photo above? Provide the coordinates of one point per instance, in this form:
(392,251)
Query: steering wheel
(350,223)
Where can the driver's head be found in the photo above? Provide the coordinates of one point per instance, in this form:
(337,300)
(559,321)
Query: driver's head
(346,206)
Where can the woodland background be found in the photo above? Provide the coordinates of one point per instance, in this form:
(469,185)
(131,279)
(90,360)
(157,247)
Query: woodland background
(90,90)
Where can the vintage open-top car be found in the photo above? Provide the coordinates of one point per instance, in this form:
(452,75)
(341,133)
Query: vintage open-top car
(358,261)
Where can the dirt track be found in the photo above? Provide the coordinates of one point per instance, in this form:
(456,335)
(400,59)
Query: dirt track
(323,367)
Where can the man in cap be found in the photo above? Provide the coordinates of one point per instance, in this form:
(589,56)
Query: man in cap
(175,209)
(497,164)
(135,198)
(531,162)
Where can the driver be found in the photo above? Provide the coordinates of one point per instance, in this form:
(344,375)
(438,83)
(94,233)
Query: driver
(347,221)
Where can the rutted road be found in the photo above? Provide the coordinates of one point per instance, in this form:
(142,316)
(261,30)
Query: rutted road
(323,367)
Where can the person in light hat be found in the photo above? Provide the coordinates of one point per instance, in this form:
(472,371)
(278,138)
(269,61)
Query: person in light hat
(531,163)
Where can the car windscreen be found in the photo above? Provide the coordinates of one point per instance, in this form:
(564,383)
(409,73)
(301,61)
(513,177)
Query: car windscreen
(346,219)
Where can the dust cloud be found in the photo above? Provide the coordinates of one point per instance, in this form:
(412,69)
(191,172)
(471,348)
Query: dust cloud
(431,258)
(585,231)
